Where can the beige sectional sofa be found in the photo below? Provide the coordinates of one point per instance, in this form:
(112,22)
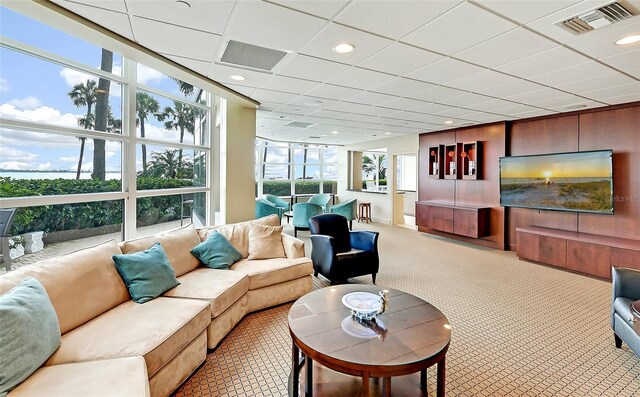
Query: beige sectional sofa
(113,346)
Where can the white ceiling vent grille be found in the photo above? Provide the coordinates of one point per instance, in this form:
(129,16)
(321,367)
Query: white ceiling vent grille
(249,55)
(299,124)
(596,19)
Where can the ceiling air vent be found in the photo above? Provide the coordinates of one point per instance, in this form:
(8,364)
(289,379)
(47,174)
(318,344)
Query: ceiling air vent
(596,19)
(314,137)
(299,124)
(249,55)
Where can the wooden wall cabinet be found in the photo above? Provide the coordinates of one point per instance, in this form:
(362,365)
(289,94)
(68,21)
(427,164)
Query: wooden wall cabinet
(436,162)
(581,252)
(466,221)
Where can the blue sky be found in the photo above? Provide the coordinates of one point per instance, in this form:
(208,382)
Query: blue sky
(35,90)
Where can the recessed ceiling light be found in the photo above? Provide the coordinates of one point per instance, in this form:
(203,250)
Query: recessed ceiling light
(344,48)
(324,135)
(449,122)
(387,133)
(629,40)
(312,103)
(238,77)
(334,132)
(183,4)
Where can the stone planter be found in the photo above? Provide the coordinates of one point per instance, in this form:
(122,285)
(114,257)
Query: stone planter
(17,249)
(33,242)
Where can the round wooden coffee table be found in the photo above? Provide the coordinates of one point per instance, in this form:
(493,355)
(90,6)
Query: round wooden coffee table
(408,338)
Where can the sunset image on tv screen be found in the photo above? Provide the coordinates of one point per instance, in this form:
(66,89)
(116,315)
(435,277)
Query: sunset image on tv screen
(567,181)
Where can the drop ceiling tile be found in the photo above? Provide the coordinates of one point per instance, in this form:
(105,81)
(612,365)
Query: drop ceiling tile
(404,103)
(563,101)
(362,78)
(331,114)
(533,113)
(543,62)
(601,43)
(294,110)
(629,62)
(632,97)
(604,94)
(438,94)
(372,98)
(322,8)
(461,113)
(247,91)
(174,40)
(492,106)
(305,67)
(223,73)
(201,67)
(513,109)
(332,91)
(596,83)
(443,71)
(111,14)
(310,102)
(269,25)
(288,84)
(578,72)
(524,11)
(466,100)
(527,97)
(579,105)
(366,44)
(350,107)
(393,19)
(273,96)
(449,33)
(515,87)
(481,81)
(547,24)
(270,106)
(207,16)
(403,87)
(433,108)
(507,47)
(400,59)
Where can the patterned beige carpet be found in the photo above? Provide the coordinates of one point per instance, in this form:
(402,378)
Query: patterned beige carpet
(519,329)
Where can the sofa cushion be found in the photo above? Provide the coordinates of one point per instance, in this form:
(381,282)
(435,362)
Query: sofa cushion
(265,242)
(30,332)
(267,272)
(81,285)
(116,377)
(177,244)
(216,252)
(238,233)
(147,274)
(220,288)
(157,330)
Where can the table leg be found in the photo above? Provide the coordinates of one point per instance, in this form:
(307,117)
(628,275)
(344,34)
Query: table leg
(441,377)
(365,384)
(308,388)
(386,387)
(295,369)
(423,378)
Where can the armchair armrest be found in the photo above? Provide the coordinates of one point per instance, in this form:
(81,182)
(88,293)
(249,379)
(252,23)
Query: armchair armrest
(293,247)
(364,240)
(625,283)
(322,252)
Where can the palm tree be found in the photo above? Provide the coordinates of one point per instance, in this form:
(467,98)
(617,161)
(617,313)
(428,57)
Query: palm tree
(84,95)
(145,105)
(180,117)
(375,162)
(102,117)
(185,88)
(165,164)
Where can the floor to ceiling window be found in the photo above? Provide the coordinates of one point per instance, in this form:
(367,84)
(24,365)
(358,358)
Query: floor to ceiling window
(93,143)
(284,169)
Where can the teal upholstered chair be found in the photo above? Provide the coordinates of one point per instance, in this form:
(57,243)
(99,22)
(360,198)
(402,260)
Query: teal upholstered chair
(264,208)
(348,209)
(277,201)
(301,214)
(322,200)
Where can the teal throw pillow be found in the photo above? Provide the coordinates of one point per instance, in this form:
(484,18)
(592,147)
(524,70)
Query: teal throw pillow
(216,252)
(29,333)
(147,274)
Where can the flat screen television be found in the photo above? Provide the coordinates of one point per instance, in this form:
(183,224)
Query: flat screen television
(580,181)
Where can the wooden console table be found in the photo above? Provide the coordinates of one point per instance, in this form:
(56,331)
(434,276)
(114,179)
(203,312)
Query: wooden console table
(464,220)
(582,252)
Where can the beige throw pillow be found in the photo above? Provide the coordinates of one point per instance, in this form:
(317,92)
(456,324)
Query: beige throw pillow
(265,242)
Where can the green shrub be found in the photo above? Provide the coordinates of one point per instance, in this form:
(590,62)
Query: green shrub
(302,186)
(53,218)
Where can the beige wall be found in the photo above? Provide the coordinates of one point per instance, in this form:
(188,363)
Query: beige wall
(237,164)
(381,204)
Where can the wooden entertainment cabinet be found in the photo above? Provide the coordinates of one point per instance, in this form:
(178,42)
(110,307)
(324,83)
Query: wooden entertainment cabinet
(582,252)
(463,220)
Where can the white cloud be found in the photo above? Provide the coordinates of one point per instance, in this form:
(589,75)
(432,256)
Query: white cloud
(28,103)
(4,85)
(43,114)
(16,165)
(13,154)
(147,75)
(45,166)
(72,77)
(68,159)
